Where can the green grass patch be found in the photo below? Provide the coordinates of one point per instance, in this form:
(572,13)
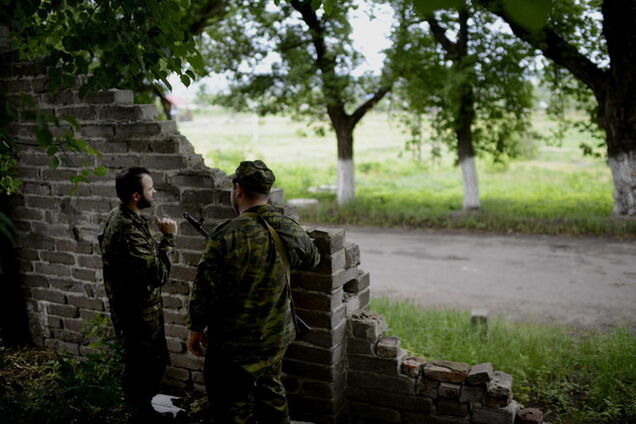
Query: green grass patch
(585,378)
(553,190)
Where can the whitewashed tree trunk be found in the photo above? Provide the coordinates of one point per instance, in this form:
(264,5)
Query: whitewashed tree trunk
(346,183)
(471,184)
(623,166)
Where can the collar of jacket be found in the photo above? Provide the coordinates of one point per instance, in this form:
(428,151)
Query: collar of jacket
(132,215)
(258,209)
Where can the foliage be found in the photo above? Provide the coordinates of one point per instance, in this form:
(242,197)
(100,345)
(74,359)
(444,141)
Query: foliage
(256,31)
(581,27)
(575,379)
(437,80)
(107,41)
(291,58)
(47,387)
(114,43)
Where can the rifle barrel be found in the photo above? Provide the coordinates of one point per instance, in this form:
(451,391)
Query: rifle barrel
(196,224)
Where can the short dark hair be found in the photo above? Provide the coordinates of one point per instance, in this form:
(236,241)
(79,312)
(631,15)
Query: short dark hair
(128,181)
(249,193)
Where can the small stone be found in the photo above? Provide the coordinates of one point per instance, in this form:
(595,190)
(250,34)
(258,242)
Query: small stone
(412,365)
(479,317)
(500,386)
(529,416)
(472,393)
(428,388)
(497,402)
(303,203)
(447,371)
(452,407)
(449,390)
(480,373)
(485,415)
(367,325)
(388,347)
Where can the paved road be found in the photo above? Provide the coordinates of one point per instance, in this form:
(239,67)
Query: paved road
(585,282)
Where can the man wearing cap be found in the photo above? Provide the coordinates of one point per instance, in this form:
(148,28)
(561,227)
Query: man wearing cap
(242,296)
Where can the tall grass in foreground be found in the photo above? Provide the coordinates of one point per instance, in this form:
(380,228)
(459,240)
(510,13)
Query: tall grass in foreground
(575,379)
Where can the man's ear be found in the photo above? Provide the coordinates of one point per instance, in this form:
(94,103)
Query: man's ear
(238,190)
(135,196)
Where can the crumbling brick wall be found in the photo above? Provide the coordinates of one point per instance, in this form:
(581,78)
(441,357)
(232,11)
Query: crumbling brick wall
(388,385)
(343,370)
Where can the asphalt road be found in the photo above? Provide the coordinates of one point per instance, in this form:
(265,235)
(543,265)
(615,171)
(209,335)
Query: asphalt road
(584,282)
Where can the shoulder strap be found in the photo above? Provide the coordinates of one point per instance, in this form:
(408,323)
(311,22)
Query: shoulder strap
(300,325)
(278,243)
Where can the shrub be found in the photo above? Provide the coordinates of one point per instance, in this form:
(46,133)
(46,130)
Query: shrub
(44,386)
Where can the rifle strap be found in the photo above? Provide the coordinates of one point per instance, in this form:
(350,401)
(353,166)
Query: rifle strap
(282,252)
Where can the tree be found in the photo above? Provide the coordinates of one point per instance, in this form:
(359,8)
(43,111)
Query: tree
(115,43)
(459,68)
(310,76)
(594,41)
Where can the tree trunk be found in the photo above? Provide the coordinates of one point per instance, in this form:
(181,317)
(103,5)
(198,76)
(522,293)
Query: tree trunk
(623,166)
(346,168)
(466,151)
(471,184)
(617,103)
(618,119)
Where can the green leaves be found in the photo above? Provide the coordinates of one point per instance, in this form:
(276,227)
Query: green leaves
(531,14)
(328,5)
(427,7)
(119,43)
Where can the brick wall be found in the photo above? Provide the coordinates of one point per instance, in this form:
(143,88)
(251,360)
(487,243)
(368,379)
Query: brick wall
(388,385)
(344,370)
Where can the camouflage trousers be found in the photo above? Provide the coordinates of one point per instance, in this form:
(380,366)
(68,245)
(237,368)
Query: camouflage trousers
(145,356)
(239,397)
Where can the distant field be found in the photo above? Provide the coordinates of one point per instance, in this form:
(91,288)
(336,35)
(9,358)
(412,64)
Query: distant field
(550,190)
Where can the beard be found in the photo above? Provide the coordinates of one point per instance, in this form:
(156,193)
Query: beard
(144,203)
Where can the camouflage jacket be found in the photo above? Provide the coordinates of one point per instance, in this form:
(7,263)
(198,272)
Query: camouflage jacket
(240,291)
(135,268)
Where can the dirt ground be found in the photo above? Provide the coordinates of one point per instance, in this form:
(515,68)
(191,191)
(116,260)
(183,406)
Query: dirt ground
(583,282)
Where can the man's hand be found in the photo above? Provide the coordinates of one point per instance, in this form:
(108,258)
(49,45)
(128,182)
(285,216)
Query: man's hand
(167,225)
(196,343)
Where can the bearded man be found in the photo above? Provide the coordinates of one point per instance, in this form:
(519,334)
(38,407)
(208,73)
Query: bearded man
(135,268)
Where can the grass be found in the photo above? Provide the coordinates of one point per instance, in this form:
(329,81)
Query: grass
(553,190)
(574,378)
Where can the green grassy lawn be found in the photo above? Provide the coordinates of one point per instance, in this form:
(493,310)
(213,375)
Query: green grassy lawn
(574,378)
(555,190)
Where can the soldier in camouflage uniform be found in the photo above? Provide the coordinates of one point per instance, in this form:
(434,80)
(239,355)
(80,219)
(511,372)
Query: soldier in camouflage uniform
(135,268)
(242,296)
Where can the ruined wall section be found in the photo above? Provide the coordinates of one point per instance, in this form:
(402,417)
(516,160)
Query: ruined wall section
(58,249)
(316,365)
(60,258)
(386,384)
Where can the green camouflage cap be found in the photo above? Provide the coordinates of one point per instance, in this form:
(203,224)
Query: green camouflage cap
(254,175)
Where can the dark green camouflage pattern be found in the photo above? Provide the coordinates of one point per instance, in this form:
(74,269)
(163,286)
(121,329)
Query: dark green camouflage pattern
(243,397)
(240,291)
(135,268)
(254,175)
